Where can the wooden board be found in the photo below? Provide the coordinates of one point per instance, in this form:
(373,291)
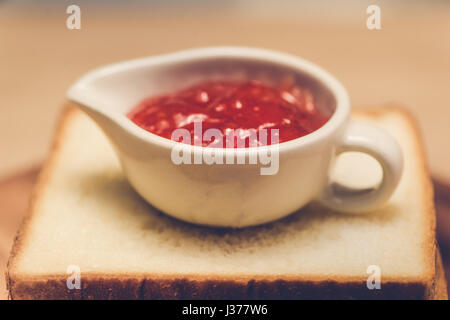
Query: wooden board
(405,63)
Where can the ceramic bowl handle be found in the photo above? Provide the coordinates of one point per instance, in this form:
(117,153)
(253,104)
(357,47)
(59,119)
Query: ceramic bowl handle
(381,146)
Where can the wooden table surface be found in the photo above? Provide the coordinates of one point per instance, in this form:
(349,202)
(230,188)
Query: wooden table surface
(407,63)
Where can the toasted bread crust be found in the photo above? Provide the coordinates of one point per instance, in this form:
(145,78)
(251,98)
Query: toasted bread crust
(440,285)
(429,243)
(67,114)
(169,286)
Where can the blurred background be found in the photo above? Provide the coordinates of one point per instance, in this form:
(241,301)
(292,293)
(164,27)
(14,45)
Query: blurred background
(406,63)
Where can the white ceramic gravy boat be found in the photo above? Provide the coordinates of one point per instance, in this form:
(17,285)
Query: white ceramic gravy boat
(234,195)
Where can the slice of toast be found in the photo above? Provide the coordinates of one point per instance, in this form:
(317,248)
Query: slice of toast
(85,214)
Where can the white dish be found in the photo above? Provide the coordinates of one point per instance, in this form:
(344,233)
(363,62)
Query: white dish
(234,195)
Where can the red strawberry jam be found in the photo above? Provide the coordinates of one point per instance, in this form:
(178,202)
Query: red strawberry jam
(242,107)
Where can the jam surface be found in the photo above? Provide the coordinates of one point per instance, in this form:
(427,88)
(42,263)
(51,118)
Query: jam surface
(243,107)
